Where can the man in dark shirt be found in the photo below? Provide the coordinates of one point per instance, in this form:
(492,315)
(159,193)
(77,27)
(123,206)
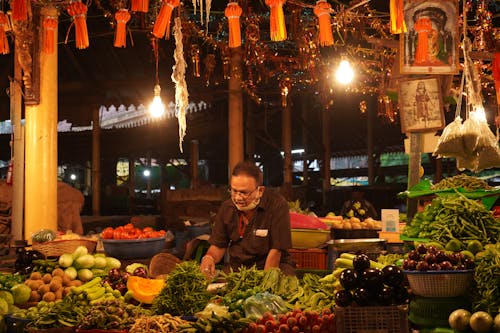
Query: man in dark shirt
(251,228)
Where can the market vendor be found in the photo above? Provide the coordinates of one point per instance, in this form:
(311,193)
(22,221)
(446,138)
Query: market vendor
(251,228)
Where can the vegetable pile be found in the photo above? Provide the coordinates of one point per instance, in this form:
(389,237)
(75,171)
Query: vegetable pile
(128,231)
(468,183)
(454,217)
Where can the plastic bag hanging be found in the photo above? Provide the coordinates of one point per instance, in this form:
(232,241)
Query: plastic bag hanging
(19,10)
(139,6)
(4,42)
(49,30)
(78,11)
(398,24)
(162,23)
(277,20)
(122,17)
(233,12)
(322,11)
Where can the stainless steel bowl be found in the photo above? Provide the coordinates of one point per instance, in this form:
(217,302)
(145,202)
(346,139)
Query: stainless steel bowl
(354,244)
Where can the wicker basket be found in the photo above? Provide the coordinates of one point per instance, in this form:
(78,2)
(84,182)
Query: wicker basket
(440,283)
(56,248)
(371,319)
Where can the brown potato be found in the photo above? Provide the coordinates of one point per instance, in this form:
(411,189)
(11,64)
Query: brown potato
(47,278)
(35,296)
(49,297)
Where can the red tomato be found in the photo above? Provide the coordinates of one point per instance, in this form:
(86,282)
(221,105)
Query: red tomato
(147,229)
(128,226)
(107,233)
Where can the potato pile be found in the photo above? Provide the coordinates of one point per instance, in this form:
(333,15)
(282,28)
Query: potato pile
(50,287)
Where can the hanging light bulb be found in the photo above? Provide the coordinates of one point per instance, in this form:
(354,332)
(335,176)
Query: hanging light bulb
(157,108)
(345,73)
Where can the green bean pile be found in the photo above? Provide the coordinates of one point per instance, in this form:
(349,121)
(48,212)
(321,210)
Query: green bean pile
(487,277)
(468,183)
(185,291)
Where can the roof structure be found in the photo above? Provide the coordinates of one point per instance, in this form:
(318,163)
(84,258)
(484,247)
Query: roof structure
(103,75)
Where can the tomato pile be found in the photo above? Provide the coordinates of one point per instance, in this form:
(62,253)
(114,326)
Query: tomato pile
(128,231)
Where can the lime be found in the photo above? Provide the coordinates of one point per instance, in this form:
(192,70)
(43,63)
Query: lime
(454,245)
(468,254)
(7,296)
(474,246)
(21,293)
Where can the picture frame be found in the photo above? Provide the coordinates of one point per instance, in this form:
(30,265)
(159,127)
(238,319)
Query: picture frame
(420,105)
(430,44)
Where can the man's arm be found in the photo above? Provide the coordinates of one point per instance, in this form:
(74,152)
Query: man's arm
(213,256)
(273,259)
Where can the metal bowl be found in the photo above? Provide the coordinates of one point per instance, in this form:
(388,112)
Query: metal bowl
(133,248)
(354,244)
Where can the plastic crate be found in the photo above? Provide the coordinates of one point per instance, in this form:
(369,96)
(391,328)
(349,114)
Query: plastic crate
(372,319)
(310,258)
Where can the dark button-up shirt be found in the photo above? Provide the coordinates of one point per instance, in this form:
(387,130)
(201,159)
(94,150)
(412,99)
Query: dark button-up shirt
(269,228)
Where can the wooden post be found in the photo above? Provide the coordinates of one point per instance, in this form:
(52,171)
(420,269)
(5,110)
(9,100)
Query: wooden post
(41,144)
(96,162)
(235,112)
(194,164)
(413,171)
(369,143)
(304,110)
(326,152)
(286,142)
(131,177)
(17,222)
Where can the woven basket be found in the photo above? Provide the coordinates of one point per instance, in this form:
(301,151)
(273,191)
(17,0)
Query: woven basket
(440,283)
(56,248)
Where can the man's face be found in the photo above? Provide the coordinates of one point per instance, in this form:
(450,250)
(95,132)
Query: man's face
(244,190)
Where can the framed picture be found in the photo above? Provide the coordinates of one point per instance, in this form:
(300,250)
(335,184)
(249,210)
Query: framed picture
(430,43)
(420,105)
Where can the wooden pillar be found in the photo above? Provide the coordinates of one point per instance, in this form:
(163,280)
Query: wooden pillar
(326,152)
(194,164)
(96,162)
(41,145)
(369,143)
(249,132)
(235,112)
(305,108)
(286,142)
(131,177)
(413,170)
(17,221)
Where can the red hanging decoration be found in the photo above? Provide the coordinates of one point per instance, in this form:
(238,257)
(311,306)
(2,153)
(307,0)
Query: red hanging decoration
(277,20)
(233,12)
(496,76)
(49,40)
(162,24)
(4,42)
(19,10)
(322,11)
(78,11)
(397,17)
(122,17)
(140,6)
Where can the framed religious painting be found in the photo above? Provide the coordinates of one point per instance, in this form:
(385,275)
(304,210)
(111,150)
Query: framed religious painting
(420,105)
(430,44)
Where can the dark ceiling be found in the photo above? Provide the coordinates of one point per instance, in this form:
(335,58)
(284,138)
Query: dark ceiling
(105,75)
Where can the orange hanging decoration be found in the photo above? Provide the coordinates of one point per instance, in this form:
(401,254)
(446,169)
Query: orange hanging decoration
(496,77)
(49,26)
(322,11)
(19,10)
(78,11)
(122,17)
(140,6)
(398,24)
(4,42)
(233,12)
(277,20)
(162,24)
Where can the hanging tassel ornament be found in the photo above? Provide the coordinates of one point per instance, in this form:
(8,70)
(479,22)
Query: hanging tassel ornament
(49,40)
(277,20)
(122,17)
(398,24)
(162,24)
(4,42)
(19,10)
(233,12)
(78,11)
(140,6)
(322,11)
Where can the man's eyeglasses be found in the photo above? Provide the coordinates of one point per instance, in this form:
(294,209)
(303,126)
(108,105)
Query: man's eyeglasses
(243,194)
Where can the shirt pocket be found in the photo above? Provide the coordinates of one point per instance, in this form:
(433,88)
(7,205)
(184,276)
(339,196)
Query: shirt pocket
(259,241)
